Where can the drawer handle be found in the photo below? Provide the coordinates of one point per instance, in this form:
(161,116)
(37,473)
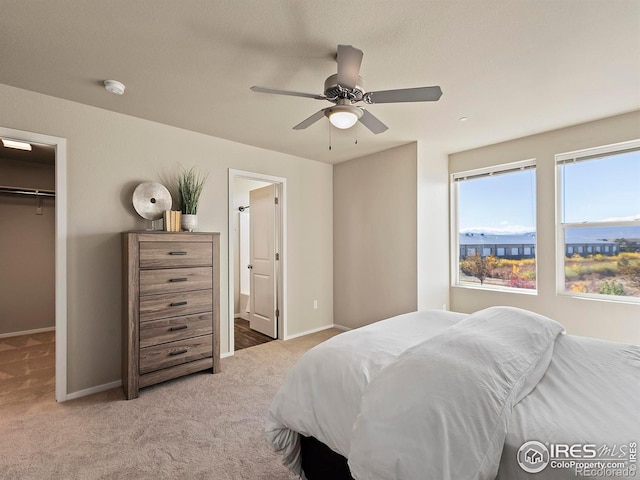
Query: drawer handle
(177,304)
(181,327)
(178,352)
(177,253)
(178,279)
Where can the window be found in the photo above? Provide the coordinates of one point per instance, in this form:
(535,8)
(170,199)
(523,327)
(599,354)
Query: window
(495,206)
(599,206)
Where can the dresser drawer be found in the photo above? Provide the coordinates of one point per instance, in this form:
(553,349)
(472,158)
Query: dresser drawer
(176,328)
(175,254)
(154,307)
(175,353)
(175,280)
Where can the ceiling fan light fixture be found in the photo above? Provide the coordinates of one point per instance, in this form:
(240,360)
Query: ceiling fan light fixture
(344,116)
(343,120)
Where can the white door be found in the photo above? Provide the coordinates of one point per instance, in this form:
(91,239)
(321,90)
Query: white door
(262,254)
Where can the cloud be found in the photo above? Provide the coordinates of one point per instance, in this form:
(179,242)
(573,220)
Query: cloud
(505,230)
(630,218)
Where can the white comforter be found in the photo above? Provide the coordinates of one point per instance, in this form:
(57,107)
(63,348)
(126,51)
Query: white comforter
(321,394)
(441,410)
(343,391)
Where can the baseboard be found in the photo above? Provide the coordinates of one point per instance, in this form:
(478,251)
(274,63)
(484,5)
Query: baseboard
(307,332)
(27,332)
(226,355)
(92,390)
(341,327)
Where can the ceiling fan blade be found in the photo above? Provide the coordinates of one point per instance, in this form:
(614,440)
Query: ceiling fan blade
(372,123)
(287,92)
(310,121)
(420,94)
(349,60)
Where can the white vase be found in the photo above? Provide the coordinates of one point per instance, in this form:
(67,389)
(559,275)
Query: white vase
(189,222)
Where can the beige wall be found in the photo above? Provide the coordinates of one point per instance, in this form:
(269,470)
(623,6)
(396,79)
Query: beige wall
(375,236)
(27,249)
(596,318)
(108,154)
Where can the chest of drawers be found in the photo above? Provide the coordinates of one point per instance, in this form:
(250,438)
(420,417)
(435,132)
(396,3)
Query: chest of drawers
(171,306)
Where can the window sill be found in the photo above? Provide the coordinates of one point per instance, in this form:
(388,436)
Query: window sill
(601,298)
(493,288)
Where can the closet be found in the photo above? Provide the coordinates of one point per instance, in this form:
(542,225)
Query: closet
(27,275)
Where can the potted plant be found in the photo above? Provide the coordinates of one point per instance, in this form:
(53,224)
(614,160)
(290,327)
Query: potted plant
(190,185)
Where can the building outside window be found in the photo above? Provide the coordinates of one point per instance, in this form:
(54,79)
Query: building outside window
(599,207)
(495,206)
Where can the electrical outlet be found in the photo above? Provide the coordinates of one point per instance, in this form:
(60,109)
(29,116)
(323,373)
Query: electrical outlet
(315,304)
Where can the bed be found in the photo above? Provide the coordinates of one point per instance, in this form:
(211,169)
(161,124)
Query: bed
(502,393)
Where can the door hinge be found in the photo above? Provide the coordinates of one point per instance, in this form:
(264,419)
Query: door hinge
(277,256)
(276,199)
(277,313)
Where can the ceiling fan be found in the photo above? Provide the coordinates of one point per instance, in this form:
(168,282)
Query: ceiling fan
(346,88)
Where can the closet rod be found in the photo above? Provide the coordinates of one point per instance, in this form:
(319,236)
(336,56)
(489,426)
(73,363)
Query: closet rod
(28,191)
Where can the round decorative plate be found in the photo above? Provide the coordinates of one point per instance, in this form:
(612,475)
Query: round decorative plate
(151,199)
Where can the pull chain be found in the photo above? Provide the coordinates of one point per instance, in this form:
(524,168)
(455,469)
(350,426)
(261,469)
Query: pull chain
(329,135)
(356,129)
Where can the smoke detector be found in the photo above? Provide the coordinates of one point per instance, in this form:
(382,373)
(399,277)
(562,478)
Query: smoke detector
(114,86)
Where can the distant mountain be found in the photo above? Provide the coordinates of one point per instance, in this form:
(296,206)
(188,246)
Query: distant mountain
(579,235)
(573,235)
(473,238)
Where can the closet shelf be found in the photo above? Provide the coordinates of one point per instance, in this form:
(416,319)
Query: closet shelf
(35,192)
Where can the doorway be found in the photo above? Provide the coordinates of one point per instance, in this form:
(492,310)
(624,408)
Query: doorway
(256,259)
(33,332)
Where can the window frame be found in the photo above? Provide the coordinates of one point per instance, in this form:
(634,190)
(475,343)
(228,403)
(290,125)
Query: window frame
(585,155)
(454,179)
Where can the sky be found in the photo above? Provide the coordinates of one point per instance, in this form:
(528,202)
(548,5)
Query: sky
(603,189)
(595,190)
(499,204)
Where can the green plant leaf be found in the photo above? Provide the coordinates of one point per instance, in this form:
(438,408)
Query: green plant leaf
(190,186)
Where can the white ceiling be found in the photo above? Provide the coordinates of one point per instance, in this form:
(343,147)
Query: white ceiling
(513,67)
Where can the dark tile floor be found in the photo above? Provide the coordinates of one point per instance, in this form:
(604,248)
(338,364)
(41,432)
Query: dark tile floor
(245,337)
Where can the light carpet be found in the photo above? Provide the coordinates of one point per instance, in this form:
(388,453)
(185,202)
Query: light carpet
(201,426)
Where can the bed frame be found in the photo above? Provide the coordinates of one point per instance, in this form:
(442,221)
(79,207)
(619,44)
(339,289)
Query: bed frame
(319,462)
